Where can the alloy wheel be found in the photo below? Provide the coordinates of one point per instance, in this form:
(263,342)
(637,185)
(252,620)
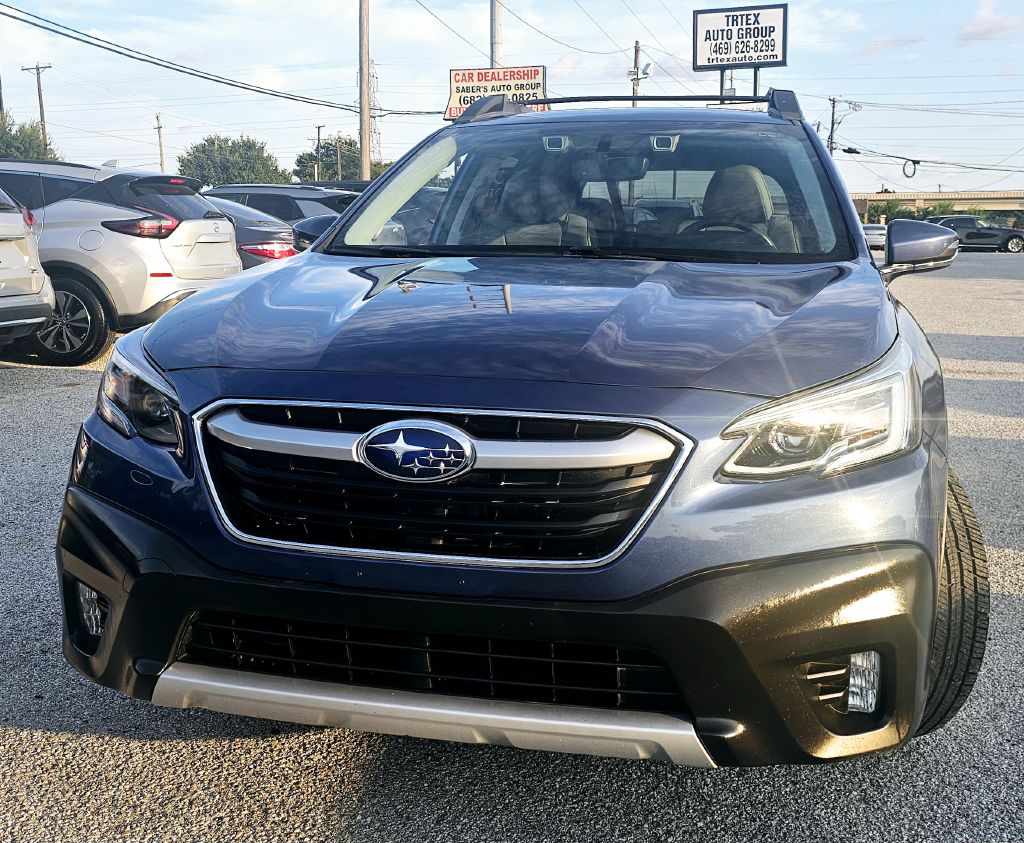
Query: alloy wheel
(69,326)
(1015,244)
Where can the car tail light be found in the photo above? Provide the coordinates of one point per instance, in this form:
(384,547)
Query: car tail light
(155,226)
(271,251)
(29,218)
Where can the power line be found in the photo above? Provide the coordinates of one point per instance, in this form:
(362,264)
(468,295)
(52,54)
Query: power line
(668,73)
(672,15)
(128,52)
(452,30)
(525,22)
(604,31)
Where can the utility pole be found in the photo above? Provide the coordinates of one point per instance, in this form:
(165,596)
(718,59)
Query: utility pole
(636,72)
(365,129)
(495,33)
(316,163)
(832,128)
(1,98)
(160,140)
(337,152)
(38,71)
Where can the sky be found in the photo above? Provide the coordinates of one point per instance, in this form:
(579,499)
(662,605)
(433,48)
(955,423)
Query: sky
(933,80)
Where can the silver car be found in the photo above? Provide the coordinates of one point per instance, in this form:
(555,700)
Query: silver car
(121,248)
(26,297)
(875,235)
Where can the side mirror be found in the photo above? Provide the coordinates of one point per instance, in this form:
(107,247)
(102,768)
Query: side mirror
(916,246)
(306,232)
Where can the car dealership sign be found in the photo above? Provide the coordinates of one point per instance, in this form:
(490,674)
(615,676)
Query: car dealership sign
(517,83)
(748,36)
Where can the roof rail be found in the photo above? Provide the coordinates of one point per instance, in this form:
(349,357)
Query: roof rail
(781,104)
(6,160)
(290,186)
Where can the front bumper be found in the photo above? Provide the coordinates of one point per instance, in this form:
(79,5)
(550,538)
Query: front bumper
(734,638)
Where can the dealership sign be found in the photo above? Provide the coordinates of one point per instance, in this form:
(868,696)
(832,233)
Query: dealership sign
(748,36)
(521,84)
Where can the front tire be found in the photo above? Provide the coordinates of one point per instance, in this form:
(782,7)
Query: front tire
(1015,244)
(961,614)
(79,330)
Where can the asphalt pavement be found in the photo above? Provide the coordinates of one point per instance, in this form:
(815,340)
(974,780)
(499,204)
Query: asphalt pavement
(81,763)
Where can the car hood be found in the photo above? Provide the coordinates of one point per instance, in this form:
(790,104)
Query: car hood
(759,329)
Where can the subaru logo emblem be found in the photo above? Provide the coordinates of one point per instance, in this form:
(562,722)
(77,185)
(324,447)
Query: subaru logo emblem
(417,450)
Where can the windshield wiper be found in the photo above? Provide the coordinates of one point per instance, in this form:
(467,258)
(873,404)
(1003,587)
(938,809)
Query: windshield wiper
(640,254)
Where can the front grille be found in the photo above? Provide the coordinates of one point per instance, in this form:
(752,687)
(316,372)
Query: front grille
(561,673)
(479,426)
(514,514)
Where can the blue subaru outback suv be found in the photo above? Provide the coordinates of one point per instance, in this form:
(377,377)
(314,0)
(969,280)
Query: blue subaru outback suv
(620,447)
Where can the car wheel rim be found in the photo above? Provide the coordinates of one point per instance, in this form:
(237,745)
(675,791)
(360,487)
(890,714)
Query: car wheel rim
(1015,245)
(68,328)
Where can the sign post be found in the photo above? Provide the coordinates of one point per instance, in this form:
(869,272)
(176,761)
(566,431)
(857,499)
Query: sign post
(744,36)
(521,84)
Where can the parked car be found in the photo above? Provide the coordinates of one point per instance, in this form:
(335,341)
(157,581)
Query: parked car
(355,185)
(259,237)
(120,247)
(288,202)
(977,233)
(681,498)
(26,297)
(875,235)
(306,232)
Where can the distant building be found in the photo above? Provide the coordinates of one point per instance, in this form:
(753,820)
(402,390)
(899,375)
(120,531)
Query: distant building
(988,200)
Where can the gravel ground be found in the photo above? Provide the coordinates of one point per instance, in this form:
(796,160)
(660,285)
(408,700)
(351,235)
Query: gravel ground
(80,763)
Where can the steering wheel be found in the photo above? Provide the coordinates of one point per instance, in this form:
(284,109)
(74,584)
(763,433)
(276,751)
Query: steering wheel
(737,226)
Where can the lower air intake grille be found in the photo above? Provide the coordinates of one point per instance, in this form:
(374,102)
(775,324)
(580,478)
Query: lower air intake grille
(593,675)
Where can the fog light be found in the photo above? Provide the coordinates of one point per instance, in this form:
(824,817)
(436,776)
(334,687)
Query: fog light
(93,609)
(865,669)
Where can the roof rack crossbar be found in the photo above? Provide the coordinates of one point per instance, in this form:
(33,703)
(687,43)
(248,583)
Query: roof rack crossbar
(782,104)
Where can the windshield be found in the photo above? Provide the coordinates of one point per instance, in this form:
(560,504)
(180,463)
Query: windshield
(675,190)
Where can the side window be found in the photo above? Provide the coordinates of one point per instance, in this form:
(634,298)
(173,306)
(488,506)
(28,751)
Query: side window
(964,225)
(313,208)
(25,187)
(56,188)
(231,197)
(282,207)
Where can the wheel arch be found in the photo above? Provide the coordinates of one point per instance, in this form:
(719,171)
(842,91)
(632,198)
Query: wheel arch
(80,273)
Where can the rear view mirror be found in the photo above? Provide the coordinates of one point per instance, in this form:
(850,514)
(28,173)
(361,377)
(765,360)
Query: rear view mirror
(594,166)
(916,246)
(625,167)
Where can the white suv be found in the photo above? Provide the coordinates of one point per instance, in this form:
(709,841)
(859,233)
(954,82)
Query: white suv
(121,248)
(26,298)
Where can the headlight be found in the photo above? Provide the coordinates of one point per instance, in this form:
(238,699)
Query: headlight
(134,404)
(871,416)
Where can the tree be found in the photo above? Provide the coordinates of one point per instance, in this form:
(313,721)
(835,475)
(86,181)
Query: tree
(939,209)
(331,149)
(221,160)
(24,140)
(891,209)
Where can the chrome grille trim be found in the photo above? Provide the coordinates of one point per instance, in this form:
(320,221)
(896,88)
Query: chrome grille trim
(639,446)
(683,443)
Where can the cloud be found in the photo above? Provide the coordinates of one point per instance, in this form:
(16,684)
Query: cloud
(878,46)
(988,23)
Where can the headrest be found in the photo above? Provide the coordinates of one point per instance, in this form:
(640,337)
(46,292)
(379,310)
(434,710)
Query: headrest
(738,193)
(532,199)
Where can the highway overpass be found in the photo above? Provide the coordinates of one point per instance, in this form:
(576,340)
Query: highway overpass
(988,200)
